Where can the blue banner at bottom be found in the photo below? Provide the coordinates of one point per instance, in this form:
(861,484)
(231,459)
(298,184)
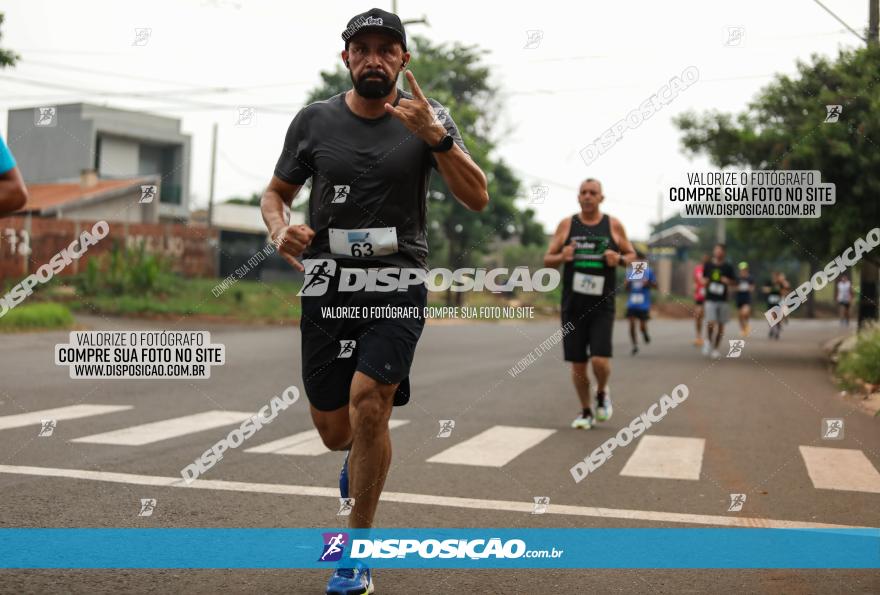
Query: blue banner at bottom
(440,548)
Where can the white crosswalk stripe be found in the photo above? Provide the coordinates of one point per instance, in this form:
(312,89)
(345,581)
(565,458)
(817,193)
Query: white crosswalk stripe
(840,469)
(20,420)
(666,457)
(494,447)
(306,443)
(167,428)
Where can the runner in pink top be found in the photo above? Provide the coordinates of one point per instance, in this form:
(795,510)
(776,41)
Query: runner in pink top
(699,297)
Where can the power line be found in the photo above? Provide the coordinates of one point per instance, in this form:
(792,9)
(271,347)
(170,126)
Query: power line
(190,89)
(142,96)
(841,21)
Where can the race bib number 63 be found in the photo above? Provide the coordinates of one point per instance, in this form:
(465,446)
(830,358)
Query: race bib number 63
(375,241)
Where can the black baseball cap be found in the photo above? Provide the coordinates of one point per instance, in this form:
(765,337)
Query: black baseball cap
(375,19)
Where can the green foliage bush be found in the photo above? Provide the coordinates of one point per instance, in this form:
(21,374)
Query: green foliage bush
(863,362)
(37,316)
(126,271)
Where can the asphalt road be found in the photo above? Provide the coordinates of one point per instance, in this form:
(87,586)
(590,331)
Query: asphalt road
(750,425)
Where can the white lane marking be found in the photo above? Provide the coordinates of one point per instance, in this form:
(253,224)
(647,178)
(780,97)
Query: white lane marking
(306,443)
(426,499)
(666,457)
(20,420)
(167,428)
(840,469)
(494,447)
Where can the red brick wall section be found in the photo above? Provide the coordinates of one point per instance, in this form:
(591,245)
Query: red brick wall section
(190,249)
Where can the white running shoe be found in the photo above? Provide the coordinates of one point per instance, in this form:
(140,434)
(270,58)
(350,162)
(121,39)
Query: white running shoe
(583,423)
(706,348)
(716,354)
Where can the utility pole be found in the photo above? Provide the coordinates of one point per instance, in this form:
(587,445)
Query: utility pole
(869,274)
(873,21)
(213,170)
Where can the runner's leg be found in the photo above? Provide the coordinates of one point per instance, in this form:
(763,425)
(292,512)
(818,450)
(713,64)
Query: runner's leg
(602,370)
(581,382)
(334,427)
(632,331)
(698,319)
(369,409)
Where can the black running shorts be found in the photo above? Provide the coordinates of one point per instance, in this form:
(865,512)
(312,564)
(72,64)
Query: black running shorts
(382,347)
(591,335)
(639,314)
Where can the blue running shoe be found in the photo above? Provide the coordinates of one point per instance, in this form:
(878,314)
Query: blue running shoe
(343,478)
(350,581)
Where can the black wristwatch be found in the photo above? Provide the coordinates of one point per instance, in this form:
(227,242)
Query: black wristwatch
(444,145)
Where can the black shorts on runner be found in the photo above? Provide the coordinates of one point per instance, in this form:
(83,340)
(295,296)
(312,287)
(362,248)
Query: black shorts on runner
(380,347)
(640,314)
(699,302)
(591,335)
(743,300)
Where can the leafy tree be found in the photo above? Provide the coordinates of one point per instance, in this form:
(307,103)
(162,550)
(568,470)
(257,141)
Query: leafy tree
(253,200)
(8,58)
(784,128)
(454,76)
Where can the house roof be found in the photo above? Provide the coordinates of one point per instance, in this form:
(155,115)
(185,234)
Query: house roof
(677,235)
(45,198)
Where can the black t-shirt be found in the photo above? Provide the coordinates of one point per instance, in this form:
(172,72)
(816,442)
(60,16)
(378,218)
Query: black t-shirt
(367,174)
(716,288)
(743,284)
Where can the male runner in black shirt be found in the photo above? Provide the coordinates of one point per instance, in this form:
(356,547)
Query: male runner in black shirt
(369,152)
(718,277)
(589,245)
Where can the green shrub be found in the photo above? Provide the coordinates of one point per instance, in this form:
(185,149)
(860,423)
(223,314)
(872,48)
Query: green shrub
(863,362)
(37,316)
(126,271)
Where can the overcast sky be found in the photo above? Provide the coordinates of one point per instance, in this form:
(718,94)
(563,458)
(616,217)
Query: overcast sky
(596,61)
